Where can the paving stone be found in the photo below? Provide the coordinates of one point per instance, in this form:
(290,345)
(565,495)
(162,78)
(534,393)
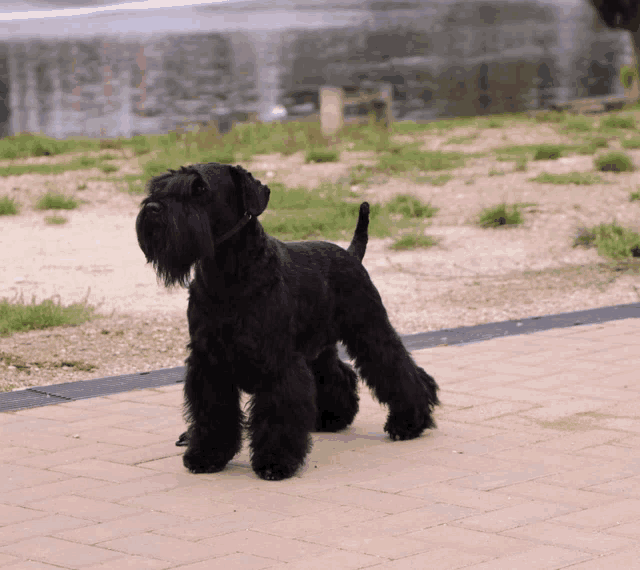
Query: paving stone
(528,469)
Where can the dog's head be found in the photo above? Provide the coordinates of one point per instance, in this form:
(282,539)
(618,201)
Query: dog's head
(189,212)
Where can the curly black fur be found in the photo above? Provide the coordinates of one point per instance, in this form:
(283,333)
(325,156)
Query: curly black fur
(264,318)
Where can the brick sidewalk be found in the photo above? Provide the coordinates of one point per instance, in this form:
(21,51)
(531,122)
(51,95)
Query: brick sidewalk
(535,465)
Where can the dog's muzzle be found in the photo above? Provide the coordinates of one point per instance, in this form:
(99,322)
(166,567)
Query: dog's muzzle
(153,207)
(145,224)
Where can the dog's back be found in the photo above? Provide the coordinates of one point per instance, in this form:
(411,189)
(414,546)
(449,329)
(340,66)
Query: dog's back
(358,244)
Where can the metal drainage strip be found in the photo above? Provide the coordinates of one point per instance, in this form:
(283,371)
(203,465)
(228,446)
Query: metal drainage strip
(69,391)
(21,399)
(478,333)
(58,393)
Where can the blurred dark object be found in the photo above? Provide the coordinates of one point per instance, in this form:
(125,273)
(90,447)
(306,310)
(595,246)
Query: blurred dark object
(621,14)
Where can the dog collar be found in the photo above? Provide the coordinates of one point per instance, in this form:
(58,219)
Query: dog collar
(235,229)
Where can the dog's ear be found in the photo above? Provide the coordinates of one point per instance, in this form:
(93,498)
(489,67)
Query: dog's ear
(255,195)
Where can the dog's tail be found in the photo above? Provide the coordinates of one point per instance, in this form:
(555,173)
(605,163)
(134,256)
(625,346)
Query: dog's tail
(360,237)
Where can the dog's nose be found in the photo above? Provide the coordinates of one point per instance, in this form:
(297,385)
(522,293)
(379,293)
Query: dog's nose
(153,207)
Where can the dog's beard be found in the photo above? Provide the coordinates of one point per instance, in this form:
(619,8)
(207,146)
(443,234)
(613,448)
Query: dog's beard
(174,244)
(171,274)
(171,260)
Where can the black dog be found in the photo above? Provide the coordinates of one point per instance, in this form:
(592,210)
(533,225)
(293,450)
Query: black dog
(264,317)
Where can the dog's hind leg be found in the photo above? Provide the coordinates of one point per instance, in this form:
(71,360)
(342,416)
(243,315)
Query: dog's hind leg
(212,410)
(336,391)
(386,366)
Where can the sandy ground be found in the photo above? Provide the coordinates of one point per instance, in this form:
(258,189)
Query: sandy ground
(472,276)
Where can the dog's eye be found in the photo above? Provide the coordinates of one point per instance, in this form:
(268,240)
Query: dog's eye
(198,189)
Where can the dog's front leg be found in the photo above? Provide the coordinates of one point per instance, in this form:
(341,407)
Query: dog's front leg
(283,413)
(212,410)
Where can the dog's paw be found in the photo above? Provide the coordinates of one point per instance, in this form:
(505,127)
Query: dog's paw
(275,472)
(409,420)
(327,422)
(199,463)
(408,424)
(183,440)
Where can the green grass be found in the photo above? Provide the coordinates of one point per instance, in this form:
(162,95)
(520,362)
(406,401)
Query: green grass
(535,152)
(78,163)
(322,155)
(361,175)
(579,178)
(463,139)
(338,222)
(413,241)
(8,206)
(501,215)
(411,128)
(267,138)
(514,152)
(591,145)
(141,145)
(410,207)
(55,220)
(240,144)
(17,316)
(616,121)
(614,161)
(444,125)
(27,145)
(330,211)
(135,184)
(552,117)
(579,124)
(107,168)
(611,240)
(631,143)
(115,144)
(370,137)
(173,152)
(437,180)
(408,159)
(548,152)
(55,201)
(245,140)
(521,164)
